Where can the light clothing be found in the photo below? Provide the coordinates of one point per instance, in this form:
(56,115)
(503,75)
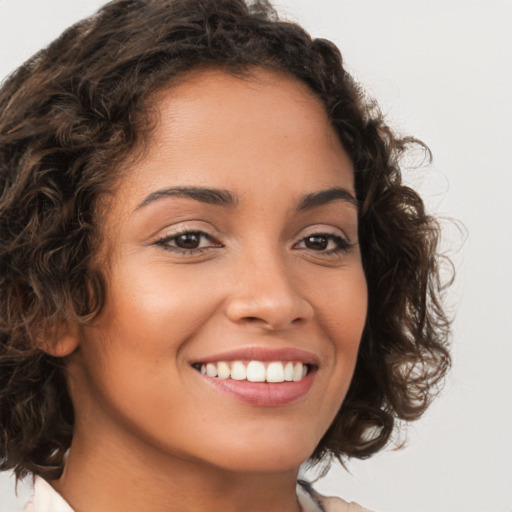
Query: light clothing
(311,501)
(46,499)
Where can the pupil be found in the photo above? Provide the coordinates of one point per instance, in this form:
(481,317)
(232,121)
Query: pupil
(317,242)
(188,241)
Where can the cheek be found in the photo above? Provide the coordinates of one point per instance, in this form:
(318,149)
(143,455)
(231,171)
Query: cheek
(134,346)
(344,318)
(159,305)
(341,305)
(341,302)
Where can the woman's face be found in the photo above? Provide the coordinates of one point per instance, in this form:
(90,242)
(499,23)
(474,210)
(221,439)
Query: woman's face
(232,250)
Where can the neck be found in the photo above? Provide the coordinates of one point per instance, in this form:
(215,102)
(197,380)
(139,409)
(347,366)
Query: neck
(104,476)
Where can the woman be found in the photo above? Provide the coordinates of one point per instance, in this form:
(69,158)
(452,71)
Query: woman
(212,272)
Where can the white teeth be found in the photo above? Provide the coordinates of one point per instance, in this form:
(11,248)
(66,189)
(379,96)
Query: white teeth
(255,371)
(297,372)
(275,372)
(211,370)
(223,370)
(238,371)
(288,372)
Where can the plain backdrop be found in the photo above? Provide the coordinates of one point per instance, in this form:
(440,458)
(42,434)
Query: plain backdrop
(442,71)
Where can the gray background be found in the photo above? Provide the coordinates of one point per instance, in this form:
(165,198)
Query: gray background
(441,71)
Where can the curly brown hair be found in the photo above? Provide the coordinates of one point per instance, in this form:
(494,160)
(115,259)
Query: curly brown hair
(69,117)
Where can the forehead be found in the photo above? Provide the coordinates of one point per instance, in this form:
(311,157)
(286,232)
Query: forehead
(220,130)
(213,99)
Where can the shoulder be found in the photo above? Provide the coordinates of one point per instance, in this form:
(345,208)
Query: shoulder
(330,504)
(46,499)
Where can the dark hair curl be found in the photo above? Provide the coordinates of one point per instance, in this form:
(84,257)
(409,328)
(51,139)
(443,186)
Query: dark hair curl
(71,114)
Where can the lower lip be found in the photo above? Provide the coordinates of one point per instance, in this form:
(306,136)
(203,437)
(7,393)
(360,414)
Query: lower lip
(263,394)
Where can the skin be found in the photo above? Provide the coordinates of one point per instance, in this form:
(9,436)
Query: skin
(151,434)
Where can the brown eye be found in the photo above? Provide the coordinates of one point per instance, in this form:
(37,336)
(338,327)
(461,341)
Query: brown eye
(188,240)
(317,242)
(325,243)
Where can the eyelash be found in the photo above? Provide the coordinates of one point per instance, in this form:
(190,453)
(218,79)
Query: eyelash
(341,243)
(165,241)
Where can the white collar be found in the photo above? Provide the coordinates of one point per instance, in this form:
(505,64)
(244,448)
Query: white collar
(306,501)
(47,499)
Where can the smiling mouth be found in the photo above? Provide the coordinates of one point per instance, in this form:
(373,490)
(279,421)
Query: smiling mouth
(256,371)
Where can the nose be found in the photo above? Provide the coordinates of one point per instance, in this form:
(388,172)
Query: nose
(265,295)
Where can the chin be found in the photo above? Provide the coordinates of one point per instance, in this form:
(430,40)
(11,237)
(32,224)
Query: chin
(264,464)
(277,454)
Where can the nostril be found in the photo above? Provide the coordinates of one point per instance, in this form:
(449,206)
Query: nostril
(271,324)
(273,311)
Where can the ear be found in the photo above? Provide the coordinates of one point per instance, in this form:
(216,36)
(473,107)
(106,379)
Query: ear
(59,340)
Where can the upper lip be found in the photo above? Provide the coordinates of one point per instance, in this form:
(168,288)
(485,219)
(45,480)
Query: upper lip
(263,354)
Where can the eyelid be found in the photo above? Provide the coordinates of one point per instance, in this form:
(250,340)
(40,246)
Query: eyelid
(342,241)
(210,233)
(181,228)
(322,229)
(172,236)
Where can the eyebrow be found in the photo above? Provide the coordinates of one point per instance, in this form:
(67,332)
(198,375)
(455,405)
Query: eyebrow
(323,197)
(204,195)
(221,197)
